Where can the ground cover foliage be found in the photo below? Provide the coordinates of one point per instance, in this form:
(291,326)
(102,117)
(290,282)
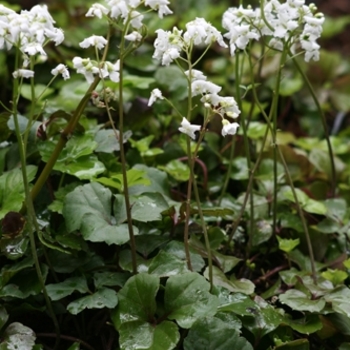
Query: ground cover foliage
(178,189)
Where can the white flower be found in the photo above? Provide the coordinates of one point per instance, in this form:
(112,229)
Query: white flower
(189,129)
(160,5)
(200,87)
(61,69)
(112,70)
(85,66)
(134,36)
(195,75)
(168,45)
(23,73)
(155,95)
(94,40)
(119,8)
(97,10)
(200,32)
(136,19)
(229,128)
(33,48)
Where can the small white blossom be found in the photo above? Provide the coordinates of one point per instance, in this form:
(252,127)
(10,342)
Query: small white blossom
(188,128)
(155,95)
(113,70)
(160,6)
(61,69)
(229,128)
(200,32)
(94,40)
(84,66)
(97,10)
(168,45)
(195,75)
(201,87)
(134,36)
(23,73)
(136,19)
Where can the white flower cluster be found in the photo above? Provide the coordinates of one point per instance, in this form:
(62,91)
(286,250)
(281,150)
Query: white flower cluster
(168,45)
(292,21)
(90,68)
(210,98)
(126,9)
(28,30)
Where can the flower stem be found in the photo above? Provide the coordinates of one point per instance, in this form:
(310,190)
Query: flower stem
(122,156)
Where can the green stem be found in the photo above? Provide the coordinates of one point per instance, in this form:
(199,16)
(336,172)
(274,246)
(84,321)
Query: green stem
(205,231)
(122,157)
(32,223)
(65,134)
(188,204)
(301,215)
(273,118)
(324,124)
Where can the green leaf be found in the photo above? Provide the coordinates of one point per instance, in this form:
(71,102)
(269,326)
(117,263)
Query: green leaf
(265,319)
(134,177)
(177,169)
(335,276)
(334,26)
(137,81)
(8,271)
(14,248)
(236,286)
(299,344)
(311,323)
(17,336)
(23,124)
(216,236)
(107,142)
(75,346)
(173,80)
(212,333)
(57,291)
(299,301)
(12,189)
(110,279)
(146,244)
(238,303)
(177,249)
(3,316)
(76,158)
(290,86)
(320,159)
(308,204)
(262,232)
(24,284)
(159,182)
(340,300)
(187,299)
(137,300)
(40,90)
(148,207)
(240,169)
(226,262)
(166,264)
(104,297)
(287,245)
(88,208)
(142,335)
(125,262)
